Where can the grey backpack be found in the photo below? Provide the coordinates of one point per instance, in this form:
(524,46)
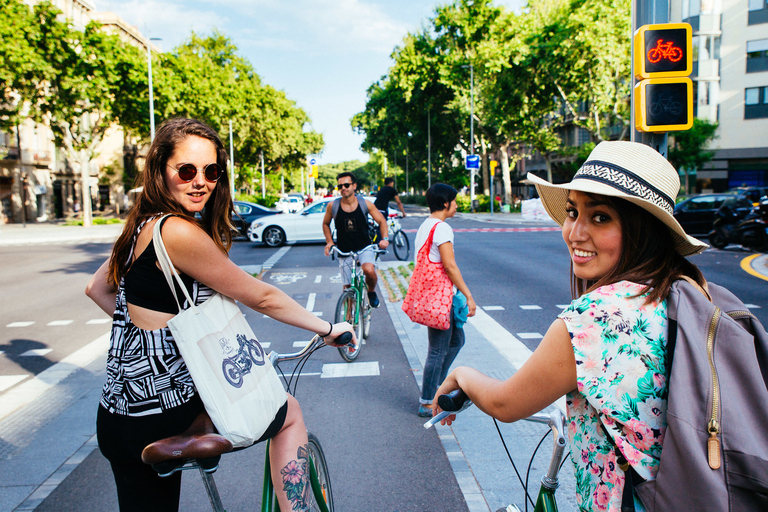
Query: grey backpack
(715,450)
(360,201)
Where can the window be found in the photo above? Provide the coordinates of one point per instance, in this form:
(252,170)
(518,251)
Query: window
(757,56)
(756,102)
(756,5)
(705,47)
(758,12)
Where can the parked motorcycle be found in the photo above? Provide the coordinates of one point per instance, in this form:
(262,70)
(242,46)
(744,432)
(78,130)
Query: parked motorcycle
(750,231)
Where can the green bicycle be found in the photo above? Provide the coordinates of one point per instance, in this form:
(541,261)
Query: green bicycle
(353,306)
(457,401)
(203,451)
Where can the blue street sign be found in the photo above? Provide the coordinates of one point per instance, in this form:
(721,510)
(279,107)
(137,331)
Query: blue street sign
(473,162)
(312,162)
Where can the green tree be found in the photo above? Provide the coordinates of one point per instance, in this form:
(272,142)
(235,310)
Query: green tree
(687,149)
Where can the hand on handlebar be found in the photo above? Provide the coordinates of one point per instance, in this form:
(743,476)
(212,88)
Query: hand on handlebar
(328,248)
(383,244)
(337,331)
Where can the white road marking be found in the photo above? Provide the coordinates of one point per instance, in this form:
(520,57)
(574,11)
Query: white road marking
(364,369)
(531,306)
(530,335)
(6,381)
(27,391)
(266,344)
(20,324)
(97,321)
(286,277)
(752,306)
(311,301)
(300,344)
(318,279)
(56,323)
(317,313)
(272,260)
(561,306)
(493,308)
(36,352)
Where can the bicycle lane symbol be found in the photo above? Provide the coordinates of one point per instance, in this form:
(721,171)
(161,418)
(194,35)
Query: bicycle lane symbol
(282,278)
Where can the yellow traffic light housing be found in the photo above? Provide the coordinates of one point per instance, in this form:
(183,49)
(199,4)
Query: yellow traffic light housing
(663,50)
(494,163)
(664,105)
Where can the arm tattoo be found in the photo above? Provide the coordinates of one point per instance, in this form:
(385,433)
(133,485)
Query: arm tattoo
(296,479)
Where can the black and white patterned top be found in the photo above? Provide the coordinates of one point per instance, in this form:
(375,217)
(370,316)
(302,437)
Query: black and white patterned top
(145,371)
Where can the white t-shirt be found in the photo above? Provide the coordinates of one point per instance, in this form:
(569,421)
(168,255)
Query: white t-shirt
(443,234)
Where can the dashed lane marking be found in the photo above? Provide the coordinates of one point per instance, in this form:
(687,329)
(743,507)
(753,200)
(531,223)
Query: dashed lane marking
(272,260)
(493,308)
(97,321)
(56,323)
(311,301)
(561,306)
(530,306)
(752,306)
(318,279)
(36,352)
(530,335)
(364,369)
(300,344)
(20,324)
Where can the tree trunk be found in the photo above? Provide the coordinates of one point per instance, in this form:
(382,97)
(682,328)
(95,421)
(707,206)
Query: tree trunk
(504,160)
(549,167)
(85,177)
(486,156)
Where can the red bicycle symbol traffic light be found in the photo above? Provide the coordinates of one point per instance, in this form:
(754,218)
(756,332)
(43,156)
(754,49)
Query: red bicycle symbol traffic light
(664,51)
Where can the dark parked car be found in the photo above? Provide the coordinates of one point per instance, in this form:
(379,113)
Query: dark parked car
(697,213)
(754,194)
(245,213)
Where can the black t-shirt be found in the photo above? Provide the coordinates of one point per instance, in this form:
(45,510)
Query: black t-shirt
(351,229)
(384,196)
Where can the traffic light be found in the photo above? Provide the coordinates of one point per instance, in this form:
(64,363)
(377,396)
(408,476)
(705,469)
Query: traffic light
(314,171)
(664,94)
(494,163)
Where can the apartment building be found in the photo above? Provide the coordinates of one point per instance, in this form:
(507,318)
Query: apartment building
(730,72)
(43,184)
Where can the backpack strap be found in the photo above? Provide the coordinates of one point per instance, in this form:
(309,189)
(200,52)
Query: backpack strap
(631,477)
(704,289)
(360,201)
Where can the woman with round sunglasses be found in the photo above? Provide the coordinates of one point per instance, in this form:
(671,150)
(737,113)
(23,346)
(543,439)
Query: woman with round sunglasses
(607,350)
(149,394)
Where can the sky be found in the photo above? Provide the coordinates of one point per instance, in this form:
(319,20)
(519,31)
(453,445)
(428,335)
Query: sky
(323,53)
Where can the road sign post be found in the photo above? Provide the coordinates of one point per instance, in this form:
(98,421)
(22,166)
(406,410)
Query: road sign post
(472,164)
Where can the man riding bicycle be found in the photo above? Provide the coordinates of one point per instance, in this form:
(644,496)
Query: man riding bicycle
(386,194)
(352,233)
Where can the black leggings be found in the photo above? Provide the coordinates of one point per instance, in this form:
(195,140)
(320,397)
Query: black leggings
(123,438)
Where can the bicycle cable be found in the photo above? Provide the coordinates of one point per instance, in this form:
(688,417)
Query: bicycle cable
(530,463)
(509,456)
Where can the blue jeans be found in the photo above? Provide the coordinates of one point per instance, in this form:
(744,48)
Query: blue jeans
(444,346)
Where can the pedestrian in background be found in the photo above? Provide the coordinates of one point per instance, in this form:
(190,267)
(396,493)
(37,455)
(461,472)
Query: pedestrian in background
(149,394)
(607,350)
(444,345)
(386,194)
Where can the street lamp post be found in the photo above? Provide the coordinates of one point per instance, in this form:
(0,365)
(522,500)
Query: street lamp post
(471,131)
(151,99)
(407,190)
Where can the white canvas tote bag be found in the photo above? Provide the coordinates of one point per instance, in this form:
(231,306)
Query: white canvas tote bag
(237,384)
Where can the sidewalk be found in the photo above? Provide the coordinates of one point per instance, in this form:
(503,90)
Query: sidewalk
(49,232)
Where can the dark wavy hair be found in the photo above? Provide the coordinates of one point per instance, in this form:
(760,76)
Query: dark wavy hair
(156,199)
(648,255)
(438,195)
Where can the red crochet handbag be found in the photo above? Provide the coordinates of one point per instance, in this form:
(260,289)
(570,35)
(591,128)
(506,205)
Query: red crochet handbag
(430,293)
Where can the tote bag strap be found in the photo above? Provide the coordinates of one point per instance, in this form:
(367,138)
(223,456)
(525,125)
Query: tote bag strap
(165,263)
(424,250)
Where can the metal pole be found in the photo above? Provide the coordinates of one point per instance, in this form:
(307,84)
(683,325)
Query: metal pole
(231,159)
(472,134)
(263,182)
(151,98)
(646,12)
(429,151)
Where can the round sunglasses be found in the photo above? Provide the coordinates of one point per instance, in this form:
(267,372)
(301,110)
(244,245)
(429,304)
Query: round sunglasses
(187,172)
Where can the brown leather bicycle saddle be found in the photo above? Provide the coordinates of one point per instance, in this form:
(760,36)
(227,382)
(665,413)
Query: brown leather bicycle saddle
(200,441)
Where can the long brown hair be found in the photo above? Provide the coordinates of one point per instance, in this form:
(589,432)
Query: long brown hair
(648,255)
(155,198)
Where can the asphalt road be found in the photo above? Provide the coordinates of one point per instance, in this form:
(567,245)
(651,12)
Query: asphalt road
(379,456)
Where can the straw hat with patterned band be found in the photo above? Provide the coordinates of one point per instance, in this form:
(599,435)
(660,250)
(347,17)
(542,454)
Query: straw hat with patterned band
(628,170)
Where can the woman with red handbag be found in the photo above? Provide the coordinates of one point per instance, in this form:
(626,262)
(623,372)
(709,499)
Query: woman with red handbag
(430,295)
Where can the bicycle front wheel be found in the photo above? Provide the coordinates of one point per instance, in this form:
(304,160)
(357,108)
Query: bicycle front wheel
(401,245)
(321,498)
(346,311)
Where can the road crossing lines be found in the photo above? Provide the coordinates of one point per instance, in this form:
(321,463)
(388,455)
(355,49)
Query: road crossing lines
(58,323)
(36,352)
(493,308)
(19,324)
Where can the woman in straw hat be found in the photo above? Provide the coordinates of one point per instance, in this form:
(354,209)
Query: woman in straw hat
(607,350)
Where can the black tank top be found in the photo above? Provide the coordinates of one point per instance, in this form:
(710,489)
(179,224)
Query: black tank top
(351,229)
(146,287)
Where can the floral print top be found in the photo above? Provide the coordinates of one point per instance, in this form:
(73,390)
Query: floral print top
(620,346)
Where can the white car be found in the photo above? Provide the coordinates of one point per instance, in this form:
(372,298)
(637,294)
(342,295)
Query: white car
(303,226)
(289,204)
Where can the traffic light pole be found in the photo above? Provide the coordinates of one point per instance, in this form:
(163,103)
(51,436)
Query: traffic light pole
(647,12)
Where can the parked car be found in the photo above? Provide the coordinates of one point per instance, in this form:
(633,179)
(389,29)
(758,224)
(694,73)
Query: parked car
(305,225)
(754,194)
(697,214)
(290,203)
(246,213)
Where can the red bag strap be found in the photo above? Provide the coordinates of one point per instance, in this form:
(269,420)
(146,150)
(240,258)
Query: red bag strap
(425,248)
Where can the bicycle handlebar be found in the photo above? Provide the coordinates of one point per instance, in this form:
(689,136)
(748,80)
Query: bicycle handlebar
(316,342)
(373,247)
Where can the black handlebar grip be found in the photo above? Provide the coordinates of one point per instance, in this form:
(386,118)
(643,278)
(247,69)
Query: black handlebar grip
(344,339)
(453,401)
